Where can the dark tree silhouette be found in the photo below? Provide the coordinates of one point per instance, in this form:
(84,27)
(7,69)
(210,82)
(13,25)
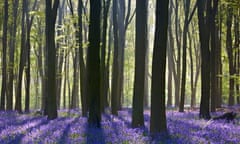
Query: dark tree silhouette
(93,64)
(140,62)
(158,110)
(204,34)
(51,101)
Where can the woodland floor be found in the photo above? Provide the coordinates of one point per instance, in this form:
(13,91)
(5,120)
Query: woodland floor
(70,127)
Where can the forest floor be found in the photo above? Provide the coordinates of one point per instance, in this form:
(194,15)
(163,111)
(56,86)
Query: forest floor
(70,127)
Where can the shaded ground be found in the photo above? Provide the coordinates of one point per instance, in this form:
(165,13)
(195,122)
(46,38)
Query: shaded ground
(184,128)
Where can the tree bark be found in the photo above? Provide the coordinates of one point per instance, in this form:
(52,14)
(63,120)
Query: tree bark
(204,35)
(4,59)
(93,65)
(51,101)
(230,55)
(12,47)
(158,113)
(18,105)
(140,62)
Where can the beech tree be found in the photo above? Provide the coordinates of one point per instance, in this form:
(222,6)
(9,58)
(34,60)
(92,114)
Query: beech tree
(93,64)
(158,110)
(51,100)
(140,62)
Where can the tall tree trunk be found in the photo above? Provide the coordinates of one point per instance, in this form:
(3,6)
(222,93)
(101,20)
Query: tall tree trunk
(213,56)
(184,56)
(140,62)
(12,47)
(28,49)
(158,110)
(115,69)
(237,53)
(170,57)
(178,61)
(51,103)
(204,35)
(218,59)
(229,48)
(60,55)
(4,59)
(106,6)
(93,64)
(18,105)
(81,60)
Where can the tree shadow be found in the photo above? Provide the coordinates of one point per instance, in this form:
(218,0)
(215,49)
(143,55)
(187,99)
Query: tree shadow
(95,135)
(18,137)
(64,137)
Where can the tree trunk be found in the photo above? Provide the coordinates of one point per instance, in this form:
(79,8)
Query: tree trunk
(93,65)
(204,35)
(18,105)
(81,60)
(213,56)
(4,58)
(178,61)
(106,6)
(140,62)
(230,56)
(237,54)
(184,61)
(115,69)
(51,101)
(12,47)
(60,56)
(158,113)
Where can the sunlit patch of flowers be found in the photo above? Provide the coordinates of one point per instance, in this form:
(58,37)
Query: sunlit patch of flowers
(71,128)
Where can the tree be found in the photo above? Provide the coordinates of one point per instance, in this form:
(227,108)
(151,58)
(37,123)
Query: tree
(214,47)
(158,113)
(204,35)
(121,20)
(140,62)
(12,46)
(4,59)
(93,64)
(230,54)
(51,102)
(81,60)
(103,66)
(22,63)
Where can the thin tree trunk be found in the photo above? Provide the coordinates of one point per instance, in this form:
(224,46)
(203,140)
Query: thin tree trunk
(81,60)
(18,105)
(184,56)
(230,55)
(213,56)
(12,47)
(106,6)
(4,59)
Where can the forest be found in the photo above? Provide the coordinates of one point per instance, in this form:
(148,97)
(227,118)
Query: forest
(120,71)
